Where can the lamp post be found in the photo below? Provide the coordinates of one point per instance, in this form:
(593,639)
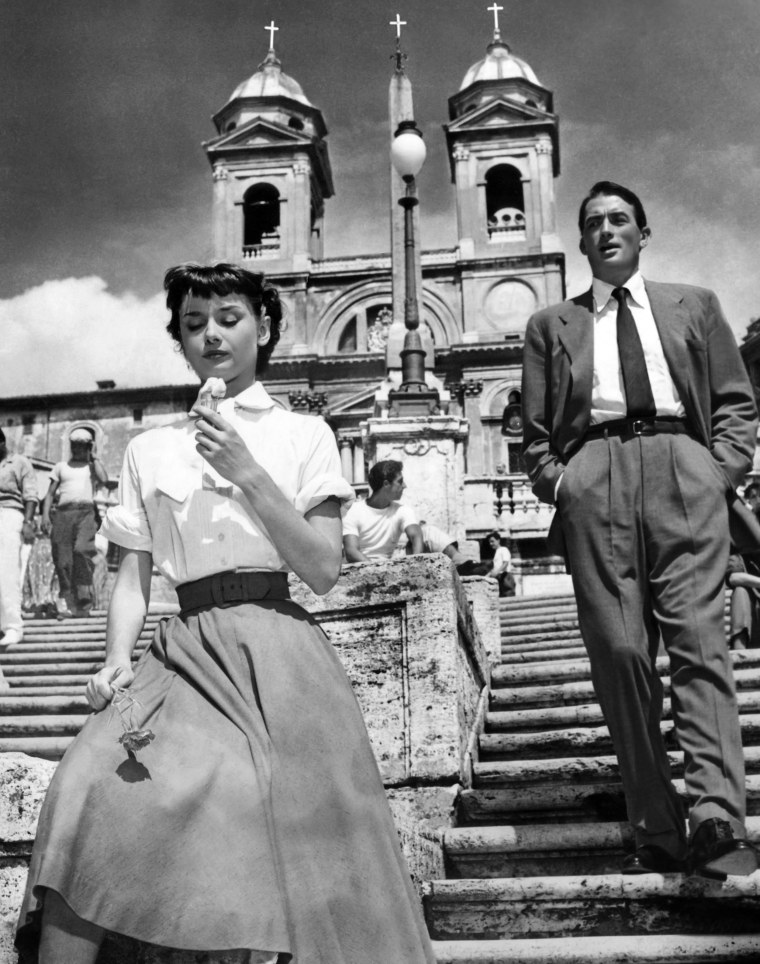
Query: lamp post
(413,397)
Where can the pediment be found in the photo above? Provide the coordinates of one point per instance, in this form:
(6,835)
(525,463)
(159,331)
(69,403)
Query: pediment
(258,132)
(499,113)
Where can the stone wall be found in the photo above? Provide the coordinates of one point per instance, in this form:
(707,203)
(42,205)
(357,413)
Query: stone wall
(411,645)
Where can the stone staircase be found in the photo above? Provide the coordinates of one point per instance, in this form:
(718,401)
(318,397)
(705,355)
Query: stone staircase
(45,706)
(533,864)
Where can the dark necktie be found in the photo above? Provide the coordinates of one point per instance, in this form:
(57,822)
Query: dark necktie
(638,390)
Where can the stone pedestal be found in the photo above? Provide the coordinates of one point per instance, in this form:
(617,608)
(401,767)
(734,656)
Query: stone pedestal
(432,450)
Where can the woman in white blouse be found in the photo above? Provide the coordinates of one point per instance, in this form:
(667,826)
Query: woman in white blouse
(224,795)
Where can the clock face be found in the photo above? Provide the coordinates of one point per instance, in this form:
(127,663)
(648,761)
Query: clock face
(508,305)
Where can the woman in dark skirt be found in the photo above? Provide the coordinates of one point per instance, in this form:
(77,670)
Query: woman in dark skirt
(224,795)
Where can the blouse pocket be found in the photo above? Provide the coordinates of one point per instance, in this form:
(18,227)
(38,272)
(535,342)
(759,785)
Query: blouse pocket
(178,483)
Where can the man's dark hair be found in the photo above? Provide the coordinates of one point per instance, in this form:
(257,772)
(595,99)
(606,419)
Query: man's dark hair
(382,472)
(222,279)
(610,189)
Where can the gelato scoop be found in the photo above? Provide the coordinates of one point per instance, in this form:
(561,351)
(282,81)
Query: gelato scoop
(212,392)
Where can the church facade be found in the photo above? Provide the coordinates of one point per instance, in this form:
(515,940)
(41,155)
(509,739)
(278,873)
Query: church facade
(272,178)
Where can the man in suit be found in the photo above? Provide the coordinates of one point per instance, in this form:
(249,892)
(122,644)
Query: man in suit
(639,421)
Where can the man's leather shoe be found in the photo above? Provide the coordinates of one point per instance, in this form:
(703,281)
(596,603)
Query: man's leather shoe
(715,852)
(651,859)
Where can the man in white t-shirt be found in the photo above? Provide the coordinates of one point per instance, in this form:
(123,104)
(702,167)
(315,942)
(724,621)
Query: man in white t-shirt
(73,528)
(373,529)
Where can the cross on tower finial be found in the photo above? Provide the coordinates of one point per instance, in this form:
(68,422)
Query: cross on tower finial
(495,9)
(271,28)
(398,23)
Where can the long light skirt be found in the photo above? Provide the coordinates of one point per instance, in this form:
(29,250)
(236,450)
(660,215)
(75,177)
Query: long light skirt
(255,819)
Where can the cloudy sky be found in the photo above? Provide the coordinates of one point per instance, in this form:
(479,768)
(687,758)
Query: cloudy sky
(105,104)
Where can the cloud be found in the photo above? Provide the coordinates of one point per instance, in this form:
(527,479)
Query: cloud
(65,335)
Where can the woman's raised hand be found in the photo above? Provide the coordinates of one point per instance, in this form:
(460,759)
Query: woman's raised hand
(100,686)
(221,446)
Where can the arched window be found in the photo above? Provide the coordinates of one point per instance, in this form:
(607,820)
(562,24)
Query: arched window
(347,341)
(261,220)
(295,123)
(230,127)
(511,418)
(505,204)
(370,328)
(512,428)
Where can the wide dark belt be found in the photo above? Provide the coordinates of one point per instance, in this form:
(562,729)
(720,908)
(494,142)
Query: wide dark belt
(628,428)
(231,589)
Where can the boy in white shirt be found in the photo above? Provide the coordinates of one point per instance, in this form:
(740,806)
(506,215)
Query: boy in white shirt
(372,529)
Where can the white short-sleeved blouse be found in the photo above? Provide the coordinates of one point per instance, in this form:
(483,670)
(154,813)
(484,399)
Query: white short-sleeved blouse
(194,523)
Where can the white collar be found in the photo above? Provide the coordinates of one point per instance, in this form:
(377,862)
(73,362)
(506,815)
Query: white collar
(255,398)
(603,291)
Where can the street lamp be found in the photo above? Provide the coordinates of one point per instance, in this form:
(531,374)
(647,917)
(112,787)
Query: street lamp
(407,157)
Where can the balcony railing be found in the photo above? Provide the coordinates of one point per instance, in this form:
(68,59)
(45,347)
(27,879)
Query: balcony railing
(508,498)
(269,248)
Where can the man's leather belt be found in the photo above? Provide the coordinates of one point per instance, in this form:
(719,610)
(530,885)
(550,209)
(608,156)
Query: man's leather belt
(232,588)
(627,428)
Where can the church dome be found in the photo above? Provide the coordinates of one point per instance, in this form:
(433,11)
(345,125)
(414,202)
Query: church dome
(270,81)
(499,63)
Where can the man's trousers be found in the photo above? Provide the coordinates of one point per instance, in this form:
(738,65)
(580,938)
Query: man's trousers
(72,541)
(645,522)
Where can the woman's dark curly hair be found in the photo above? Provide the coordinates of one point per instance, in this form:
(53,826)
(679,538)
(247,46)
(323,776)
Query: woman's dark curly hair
(222,279)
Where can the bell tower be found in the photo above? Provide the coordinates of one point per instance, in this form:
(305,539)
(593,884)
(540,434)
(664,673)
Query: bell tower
(271,173)
(503,146)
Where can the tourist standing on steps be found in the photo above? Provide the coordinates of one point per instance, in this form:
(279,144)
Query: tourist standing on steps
(75,523)
(639,421)
(500,569)
(241,807)
(18,504)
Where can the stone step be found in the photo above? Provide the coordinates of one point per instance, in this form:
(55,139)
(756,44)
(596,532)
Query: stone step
(536,646)
(52,689)
(546,850)
(590,769)
(42,725)
(15,659)
(538,601)
(537,625)
(59,669)
(550,635)
(506,697)
(34,649)
(579,669)
(641,949)
(15,705)
(544,654)
(587,740)
(47,683)
(585,714)
(562,802)
(47,747)
(581,906)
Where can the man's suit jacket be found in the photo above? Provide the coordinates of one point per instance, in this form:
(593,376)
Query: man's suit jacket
(704,363)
